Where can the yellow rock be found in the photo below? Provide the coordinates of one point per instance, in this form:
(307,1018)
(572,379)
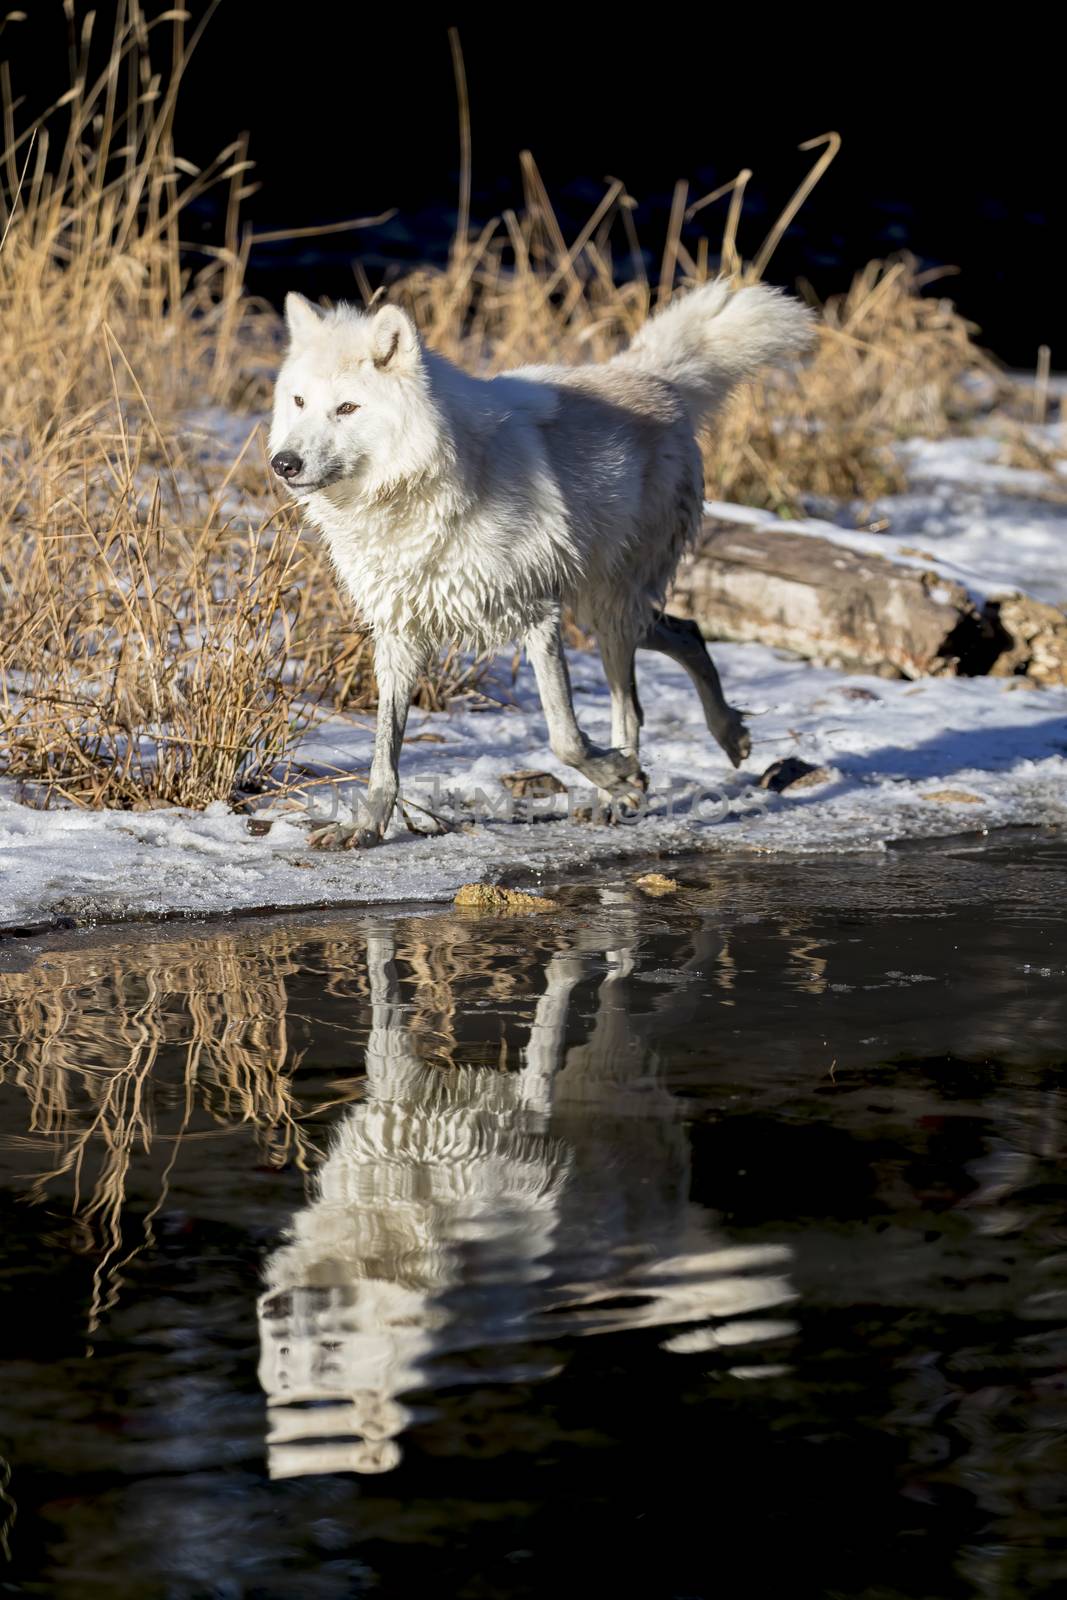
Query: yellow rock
(491,897)
(657,883)
(954,797)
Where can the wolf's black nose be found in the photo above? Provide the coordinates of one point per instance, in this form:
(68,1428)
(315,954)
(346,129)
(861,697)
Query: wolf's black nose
(287,464)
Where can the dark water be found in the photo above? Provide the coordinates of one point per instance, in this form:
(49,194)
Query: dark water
(709,1246)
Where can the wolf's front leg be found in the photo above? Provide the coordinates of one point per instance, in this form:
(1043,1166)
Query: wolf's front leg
(616,772)
(396,666)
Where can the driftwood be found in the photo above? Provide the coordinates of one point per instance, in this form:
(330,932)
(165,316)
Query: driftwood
(800,592)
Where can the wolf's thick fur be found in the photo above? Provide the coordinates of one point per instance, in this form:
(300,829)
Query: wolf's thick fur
(457,507)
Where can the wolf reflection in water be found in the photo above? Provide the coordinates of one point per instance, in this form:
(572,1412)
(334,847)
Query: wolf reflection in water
(466,1208)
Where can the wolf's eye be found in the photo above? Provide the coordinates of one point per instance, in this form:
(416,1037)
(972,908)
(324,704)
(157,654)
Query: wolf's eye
(347,408)
(298,401)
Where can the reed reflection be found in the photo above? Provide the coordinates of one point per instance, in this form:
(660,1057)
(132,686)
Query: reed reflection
(468,1220)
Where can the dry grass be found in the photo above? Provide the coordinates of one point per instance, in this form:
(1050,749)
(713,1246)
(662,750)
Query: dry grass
(167,630)
(146,629)
(891,362)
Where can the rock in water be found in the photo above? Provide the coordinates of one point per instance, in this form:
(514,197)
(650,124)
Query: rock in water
(491,897)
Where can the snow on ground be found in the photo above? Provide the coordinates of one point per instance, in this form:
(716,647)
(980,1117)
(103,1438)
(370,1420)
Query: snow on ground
(901,755)
(981,517)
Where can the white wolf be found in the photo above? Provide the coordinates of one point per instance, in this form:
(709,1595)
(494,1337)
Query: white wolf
(462,508)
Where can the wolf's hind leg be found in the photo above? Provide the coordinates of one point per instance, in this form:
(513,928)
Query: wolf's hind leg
(683,642)
(616,772)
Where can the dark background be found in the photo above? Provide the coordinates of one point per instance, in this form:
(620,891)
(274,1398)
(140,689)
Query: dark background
(952,135)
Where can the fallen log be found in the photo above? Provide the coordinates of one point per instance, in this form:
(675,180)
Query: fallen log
(897,615)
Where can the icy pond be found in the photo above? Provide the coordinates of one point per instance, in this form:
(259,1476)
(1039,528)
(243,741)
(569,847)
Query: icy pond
(712,1244)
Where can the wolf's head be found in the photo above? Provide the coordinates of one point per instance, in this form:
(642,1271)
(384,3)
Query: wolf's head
(352,403)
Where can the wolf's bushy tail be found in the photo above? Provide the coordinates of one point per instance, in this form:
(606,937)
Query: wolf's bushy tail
(705,342)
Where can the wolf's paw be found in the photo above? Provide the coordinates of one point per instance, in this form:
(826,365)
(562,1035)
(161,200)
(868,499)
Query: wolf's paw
(610,810)
(616,773)
(736,739)
(622,802)
(344,836)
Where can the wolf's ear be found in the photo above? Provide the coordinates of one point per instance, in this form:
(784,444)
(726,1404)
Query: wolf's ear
(394,344)
(301,317)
